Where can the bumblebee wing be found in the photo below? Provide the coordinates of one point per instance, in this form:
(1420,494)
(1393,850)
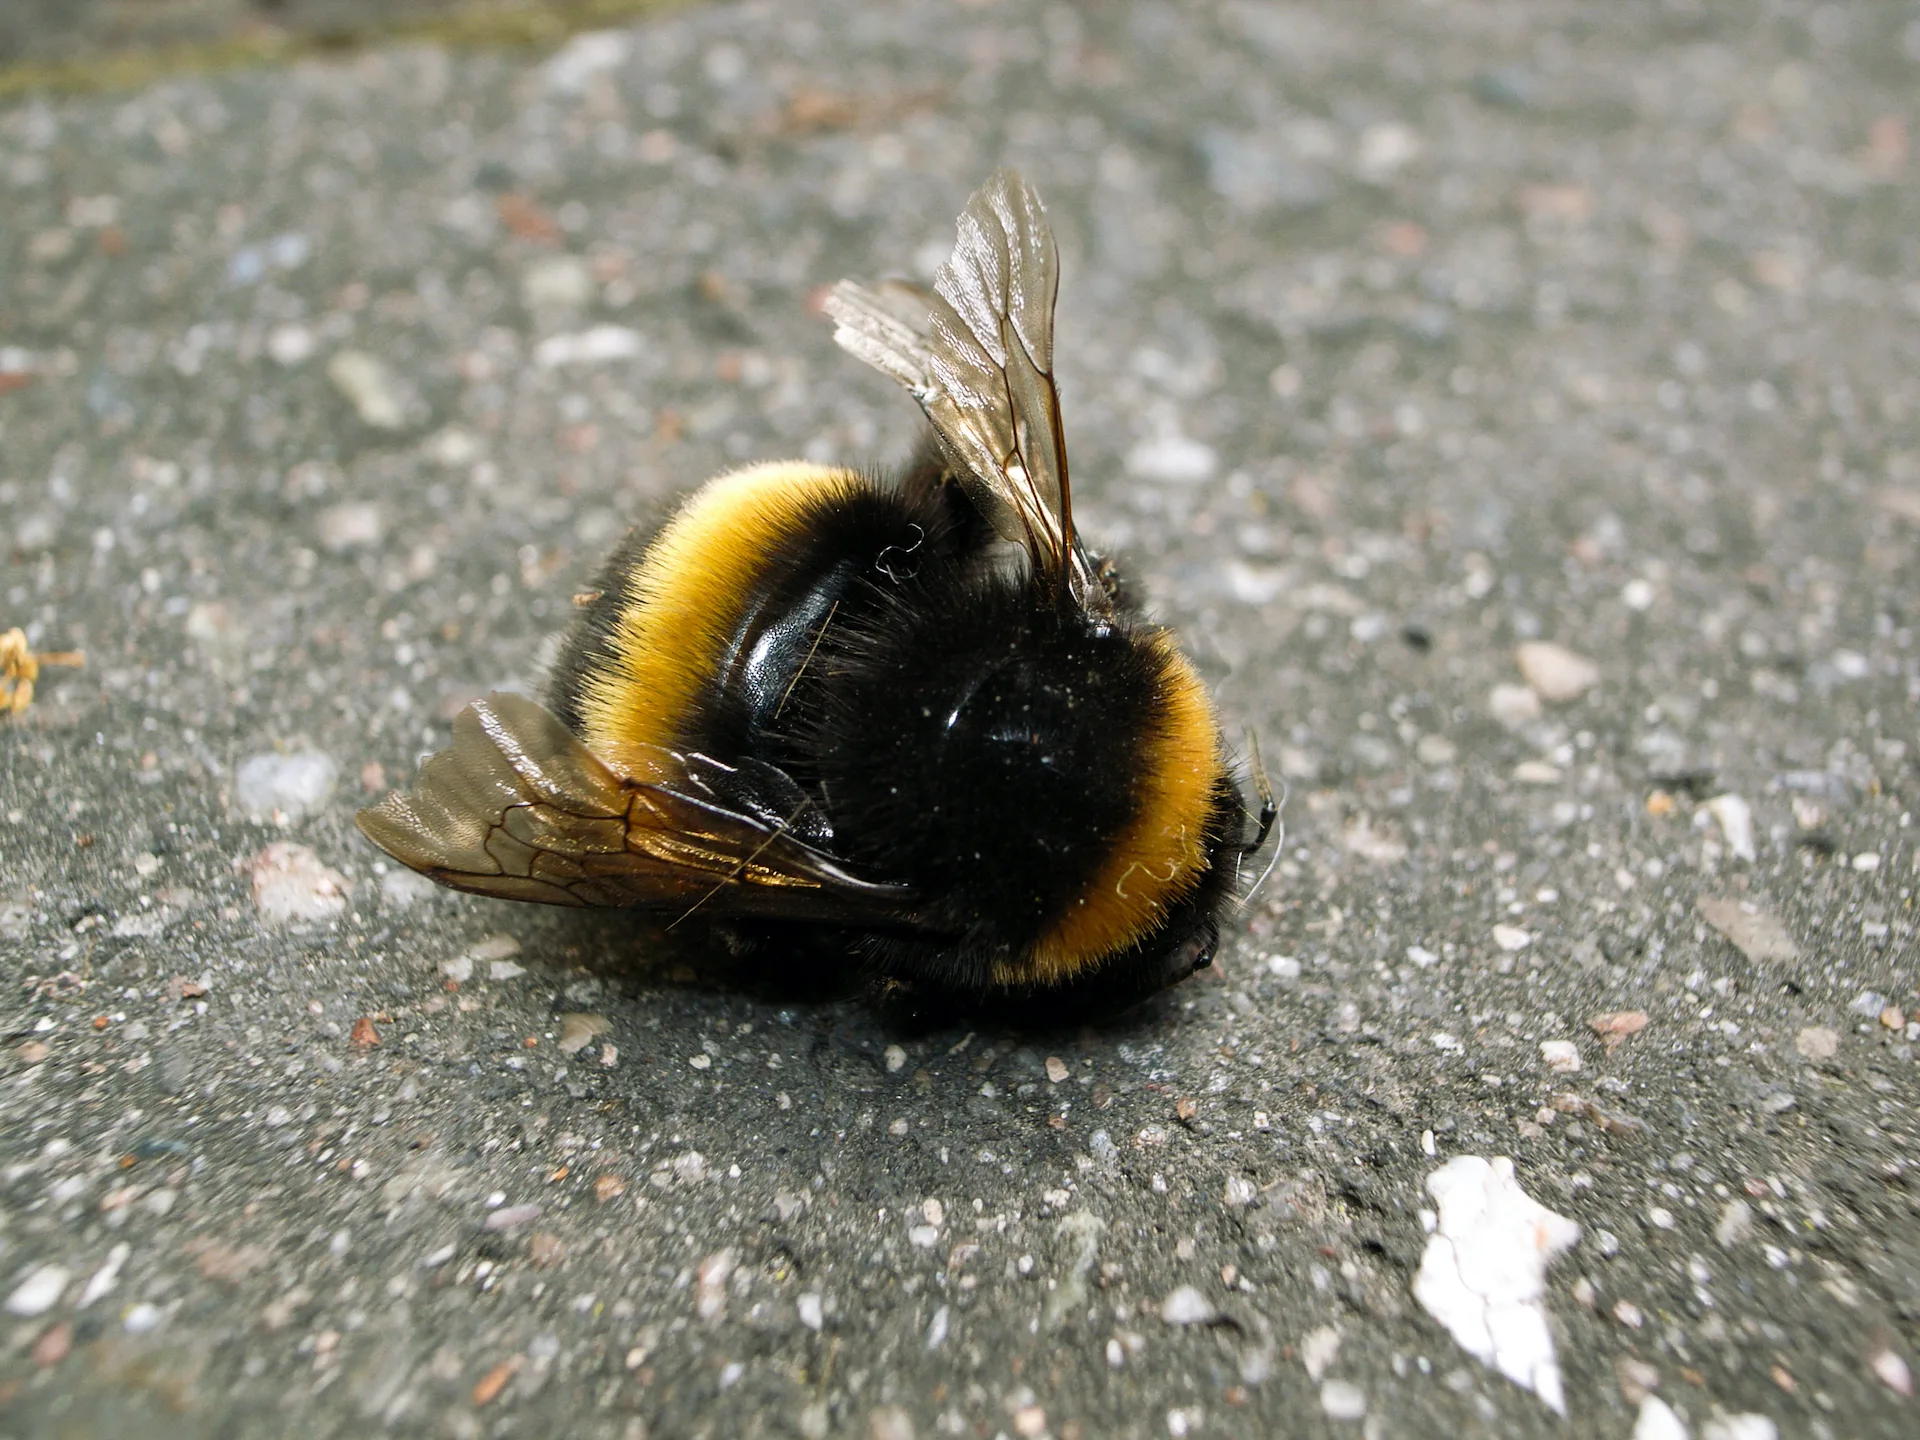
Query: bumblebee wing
(518,807)
(977,354)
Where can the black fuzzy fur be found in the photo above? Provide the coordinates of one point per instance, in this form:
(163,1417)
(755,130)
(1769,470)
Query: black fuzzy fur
(956,730)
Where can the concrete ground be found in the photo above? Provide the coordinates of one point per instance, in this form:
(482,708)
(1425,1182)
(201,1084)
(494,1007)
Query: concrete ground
(1394,339)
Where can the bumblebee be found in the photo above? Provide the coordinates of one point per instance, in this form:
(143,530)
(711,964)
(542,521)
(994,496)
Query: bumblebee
(908,725)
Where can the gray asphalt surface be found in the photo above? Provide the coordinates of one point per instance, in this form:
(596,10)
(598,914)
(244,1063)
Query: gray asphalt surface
(1392,339)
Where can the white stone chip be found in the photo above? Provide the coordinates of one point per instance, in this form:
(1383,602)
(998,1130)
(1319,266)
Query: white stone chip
(1187,1306)
(1556,674)
(369,387)
(1318,1348)
(1172,460)
(106,1277)
(1511,937)
(1562,1056)
(39,1291)
(1658,1422)
(1892,1372)
(811,1313)
(291,884)
(1735,1224)
(1513,705)
(575,65)
(1746,1426)
(1484,1272)
(1343,1400)
(1735,818)
(596,346)
(272,787)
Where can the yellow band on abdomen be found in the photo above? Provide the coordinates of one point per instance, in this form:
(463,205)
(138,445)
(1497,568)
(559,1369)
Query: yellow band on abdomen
(693,583)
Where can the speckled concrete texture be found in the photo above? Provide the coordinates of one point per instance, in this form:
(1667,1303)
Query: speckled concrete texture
(1515,407)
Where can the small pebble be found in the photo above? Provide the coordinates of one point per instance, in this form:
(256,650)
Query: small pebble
(1637,595)
(1536,772)
(557,282)
(1759,936)
(511,1217)
(271,787)
(578,1030)
(811,1313)
(368,386)
(53,1346)
(1817,1042)
(142,1318)
(1657,1421)
(1866,860)
(1734,1225)
(896,1059)
(1628,1314)
(1555,673)
(1172,460)
(355,525)
(1893,1372)
(1562,1056)
(597,346)
(1187,1306)
(1747,1426)
(291,885)
(402,889)
(1342,1400)
(39,1291)
(1511,937)
(1735,819)
(1056,1069)
(1514,705)
(1318,1349)
(1613,1026)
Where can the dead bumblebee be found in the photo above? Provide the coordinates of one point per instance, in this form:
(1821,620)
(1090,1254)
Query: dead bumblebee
(839,716)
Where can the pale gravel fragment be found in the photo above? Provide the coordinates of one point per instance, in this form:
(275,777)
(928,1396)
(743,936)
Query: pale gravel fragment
(810,1310)
(1555,673)
(1513,705)
(291,884)
(1734,1225)
(599,345)
(106,1277)
(368,386)
(579,1029)
(1172,460)
(1744,1426)
(1318,1349)
(38,1291)
(1562,1057)
(1342,1400)
(1735,818)
(350,525)
(1892,1372)
(1484,1272)
(274,787)
(1187,1306)
(1817,1042)
(1657,1421)
(1760,937)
